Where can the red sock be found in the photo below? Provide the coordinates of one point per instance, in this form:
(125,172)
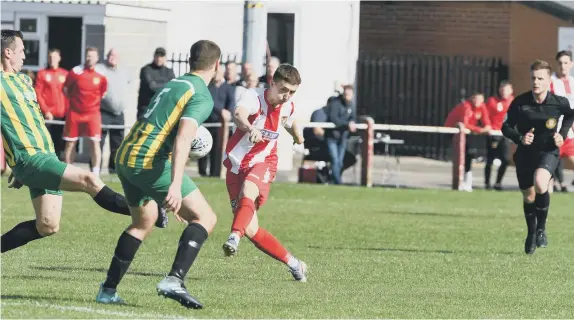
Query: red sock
(243,216)
(267,243)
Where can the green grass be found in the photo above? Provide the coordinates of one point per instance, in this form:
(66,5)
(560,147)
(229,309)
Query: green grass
(372,253)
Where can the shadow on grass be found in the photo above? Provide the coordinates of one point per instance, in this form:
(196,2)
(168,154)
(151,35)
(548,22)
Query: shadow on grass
(36,277)
(38,298)
(99,270)
(413,250)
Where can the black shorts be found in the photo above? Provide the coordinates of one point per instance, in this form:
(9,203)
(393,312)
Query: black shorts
(528,161)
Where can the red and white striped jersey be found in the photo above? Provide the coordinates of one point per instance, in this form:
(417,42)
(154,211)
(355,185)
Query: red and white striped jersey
(240,153)
(563,87)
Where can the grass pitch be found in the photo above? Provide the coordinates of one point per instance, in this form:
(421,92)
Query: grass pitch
(372,253)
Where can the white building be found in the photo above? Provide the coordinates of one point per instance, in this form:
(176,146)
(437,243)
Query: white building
(321,38)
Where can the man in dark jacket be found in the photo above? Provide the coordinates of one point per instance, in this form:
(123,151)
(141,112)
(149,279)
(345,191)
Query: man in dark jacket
(223,95)
(152,78)
(342,112)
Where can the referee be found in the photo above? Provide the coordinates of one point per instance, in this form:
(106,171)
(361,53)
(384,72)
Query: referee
(531,123)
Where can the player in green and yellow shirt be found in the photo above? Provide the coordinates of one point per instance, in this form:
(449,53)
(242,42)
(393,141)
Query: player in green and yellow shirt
(148,176)
(30,153)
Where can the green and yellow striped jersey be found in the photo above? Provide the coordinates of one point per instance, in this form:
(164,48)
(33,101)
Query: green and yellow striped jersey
(24,131)
(151,138)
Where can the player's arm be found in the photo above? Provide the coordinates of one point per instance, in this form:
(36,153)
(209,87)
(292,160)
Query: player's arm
(40,88)
(247,105)
(509,125)
(68,84)
(466,121)
(568,119)
(296,132)
(195,112)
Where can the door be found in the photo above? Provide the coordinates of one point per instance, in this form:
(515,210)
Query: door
(281,35)
(33,28)
(65,34)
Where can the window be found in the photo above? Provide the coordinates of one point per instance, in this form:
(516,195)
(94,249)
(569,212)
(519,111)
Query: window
(29,25)
(32,50)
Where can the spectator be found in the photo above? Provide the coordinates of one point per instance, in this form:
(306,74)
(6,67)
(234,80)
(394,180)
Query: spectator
(246,71)
(468,114)
(85,86)
(53,103)
(231,75)
(112,107)
(342,112)
(272,65)
(223,103)
(153,77)
(251,82)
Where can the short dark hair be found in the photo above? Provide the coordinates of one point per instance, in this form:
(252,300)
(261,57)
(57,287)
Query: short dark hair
(540,65)
(9,38)
(348,87)
(564,53)
(505,83)
(203,55)
(54,50)
(88,49)
(288,73)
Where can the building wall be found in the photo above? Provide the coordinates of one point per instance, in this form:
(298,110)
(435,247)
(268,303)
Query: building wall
(325,49)
(534,35)
(441,28)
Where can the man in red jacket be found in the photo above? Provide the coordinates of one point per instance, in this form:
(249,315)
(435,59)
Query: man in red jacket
(498,147)
(85,87)
(53,102)
(467,115)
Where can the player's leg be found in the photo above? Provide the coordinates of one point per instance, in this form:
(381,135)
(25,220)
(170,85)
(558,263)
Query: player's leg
(48,208)
(201,221)
(144,213)
(93,126)
(491,146)
(503,153)
(559,178)
(254,191)
(468,155)
(116,138)
(525,168)
(71,136)
(79,180)
(542,182)
(336,165)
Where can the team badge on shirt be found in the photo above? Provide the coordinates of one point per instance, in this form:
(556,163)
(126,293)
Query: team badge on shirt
(62,78)
(96,80)
(551,123)
(499,107)
(478,115)
(48,77)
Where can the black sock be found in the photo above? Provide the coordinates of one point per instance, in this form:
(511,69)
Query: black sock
(189,245)
(125,252)
(21,234)
(542,202)
(530,215)
(112,201)
(501,171)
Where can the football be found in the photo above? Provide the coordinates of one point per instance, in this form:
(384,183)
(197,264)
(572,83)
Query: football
(202,144)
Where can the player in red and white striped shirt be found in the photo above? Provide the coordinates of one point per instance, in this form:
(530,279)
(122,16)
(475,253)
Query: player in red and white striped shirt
(251,161)
(562,84)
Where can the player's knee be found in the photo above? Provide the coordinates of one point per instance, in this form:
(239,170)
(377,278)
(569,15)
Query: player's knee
(249,190)
(251,230)
(528,197)
(47,226)
(208,221)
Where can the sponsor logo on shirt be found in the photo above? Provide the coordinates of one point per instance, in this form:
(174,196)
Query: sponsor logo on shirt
(62,78)
(269,135)
(96,80)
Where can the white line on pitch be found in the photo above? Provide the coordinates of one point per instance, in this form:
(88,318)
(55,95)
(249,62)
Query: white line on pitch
(91,310)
